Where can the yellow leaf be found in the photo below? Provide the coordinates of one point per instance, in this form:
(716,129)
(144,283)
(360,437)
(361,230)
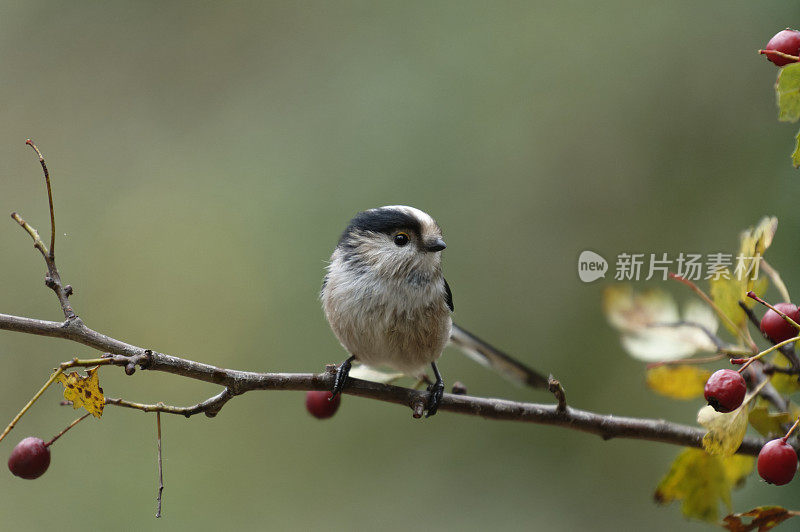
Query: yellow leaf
(755,240)
(84,391)
(725,431)
(678,382)
(785,384)
(703,481)
(729,289)
(768,423)
(726,294)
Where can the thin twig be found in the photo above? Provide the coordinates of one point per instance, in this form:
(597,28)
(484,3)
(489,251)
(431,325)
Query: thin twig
(210,406)
(688,361)
(769,369)
(27,407)
(52,254)
(744,334)
(787,319)
(558,391)
(775,277)
(160,467)
(57,436)
(788,57)
(53,278)
(61,368)
(716,340)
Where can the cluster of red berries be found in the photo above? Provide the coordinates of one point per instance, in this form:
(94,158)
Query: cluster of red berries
(783,48)
(725,391)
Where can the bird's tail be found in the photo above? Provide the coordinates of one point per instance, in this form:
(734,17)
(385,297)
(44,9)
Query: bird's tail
(493,358)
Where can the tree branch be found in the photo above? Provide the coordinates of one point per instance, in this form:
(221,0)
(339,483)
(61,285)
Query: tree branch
(237,382)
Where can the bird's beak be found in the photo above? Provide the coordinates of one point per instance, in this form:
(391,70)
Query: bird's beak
(435,245)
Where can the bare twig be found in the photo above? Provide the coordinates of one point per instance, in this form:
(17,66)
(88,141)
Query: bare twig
(776,279)
(558,391)
(61,368)
(716,340)
(52,253)
(53,278)
(210,406)
(160,467)
(688,361)
(744,334)
(770,369)
(57,436)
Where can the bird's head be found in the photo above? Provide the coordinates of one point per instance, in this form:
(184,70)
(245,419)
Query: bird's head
(397,240)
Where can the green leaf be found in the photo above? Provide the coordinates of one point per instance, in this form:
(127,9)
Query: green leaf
(796,152)
(788,92)
(678,382)
(767,423)
(785,384)
(703,481)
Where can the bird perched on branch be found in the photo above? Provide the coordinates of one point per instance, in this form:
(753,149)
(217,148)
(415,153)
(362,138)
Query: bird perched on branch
(389,304)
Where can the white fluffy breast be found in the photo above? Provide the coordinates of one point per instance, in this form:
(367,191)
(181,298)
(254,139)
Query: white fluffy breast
(403,323)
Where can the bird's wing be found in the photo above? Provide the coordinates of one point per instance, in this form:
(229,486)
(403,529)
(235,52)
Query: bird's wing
(491,357)
(448,296)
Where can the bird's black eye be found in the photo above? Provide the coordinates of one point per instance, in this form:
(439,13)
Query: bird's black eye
(401,239)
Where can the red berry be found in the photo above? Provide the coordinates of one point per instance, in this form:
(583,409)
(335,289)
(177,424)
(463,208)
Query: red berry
(777,462)
(30,458)
(776,327)
(786,41)
(725,390)
(320,405)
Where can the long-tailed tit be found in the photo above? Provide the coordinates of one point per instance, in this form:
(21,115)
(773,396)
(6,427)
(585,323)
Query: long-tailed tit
(389,305)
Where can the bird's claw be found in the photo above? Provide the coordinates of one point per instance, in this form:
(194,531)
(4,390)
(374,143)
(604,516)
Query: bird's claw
(341,377)
(435,397)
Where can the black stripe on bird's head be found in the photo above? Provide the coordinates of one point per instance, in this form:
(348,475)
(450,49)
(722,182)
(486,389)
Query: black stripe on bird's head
(392,221)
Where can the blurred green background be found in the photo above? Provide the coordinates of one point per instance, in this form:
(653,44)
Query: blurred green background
(206,156)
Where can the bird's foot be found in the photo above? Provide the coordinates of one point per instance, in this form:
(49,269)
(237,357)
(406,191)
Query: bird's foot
(341,377)
(435,397)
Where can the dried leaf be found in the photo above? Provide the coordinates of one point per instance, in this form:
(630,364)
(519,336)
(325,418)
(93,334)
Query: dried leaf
(84,391)
(678,382)
(651,327)
(630,311)
(764,518)
(703,481)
